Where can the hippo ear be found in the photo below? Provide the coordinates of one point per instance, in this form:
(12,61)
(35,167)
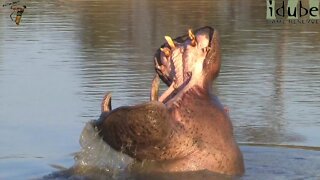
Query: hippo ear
(106,103)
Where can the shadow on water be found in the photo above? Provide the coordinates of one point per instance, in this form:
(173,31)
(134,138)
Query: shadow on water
(66,54)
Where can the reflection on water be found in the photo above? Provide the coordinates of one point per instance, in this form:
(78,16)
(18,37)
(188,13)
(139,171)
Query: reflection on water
(56,66)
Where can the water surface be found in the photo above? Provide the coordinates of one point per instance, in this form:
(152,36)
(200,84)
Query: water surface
(56,66)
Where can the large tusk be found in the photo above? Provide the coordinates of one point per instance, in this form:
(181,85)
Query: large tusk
(170,41)
(106,103)
(154,94)
(192,37)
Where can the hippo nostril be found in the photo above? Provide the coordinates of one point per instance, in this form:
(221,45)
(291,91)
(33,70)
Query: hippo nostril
(189,74)
(206,49)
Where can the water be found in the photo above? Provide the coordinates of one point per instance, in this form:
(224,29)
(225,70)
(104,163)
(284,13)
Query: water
(56,66)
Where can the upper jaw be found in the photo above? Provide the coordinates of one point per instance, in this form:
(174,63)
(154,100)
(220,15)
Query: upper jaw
(183,60)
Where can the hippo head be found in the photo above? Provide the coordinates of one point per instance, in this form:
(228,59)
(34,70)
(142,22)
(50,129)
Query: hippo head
(192,59)
(186,128)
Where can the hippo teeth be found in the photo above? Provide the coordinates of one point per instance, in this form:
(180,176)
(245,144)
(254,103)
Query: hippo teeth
(170,41)
(192,38)
(166,51)
(180,61)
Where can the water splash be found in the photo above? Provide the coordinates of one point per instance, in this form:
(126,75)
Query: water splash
(95,153)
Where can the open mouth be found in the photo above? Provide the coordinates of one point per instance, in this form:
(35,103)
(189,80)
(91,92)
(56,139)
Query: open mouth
(181,61)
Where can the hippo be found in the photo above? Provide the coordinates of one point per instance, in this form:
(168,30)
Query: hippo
(186,128)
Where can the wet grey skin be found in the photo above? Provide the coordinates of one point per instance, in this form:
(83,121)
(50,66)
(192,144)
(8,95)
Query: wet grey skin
(186,128)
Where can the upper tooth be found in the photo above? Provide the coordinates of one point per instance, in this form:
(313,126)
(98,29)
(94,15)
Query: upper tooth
(192,37)
(170,41)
